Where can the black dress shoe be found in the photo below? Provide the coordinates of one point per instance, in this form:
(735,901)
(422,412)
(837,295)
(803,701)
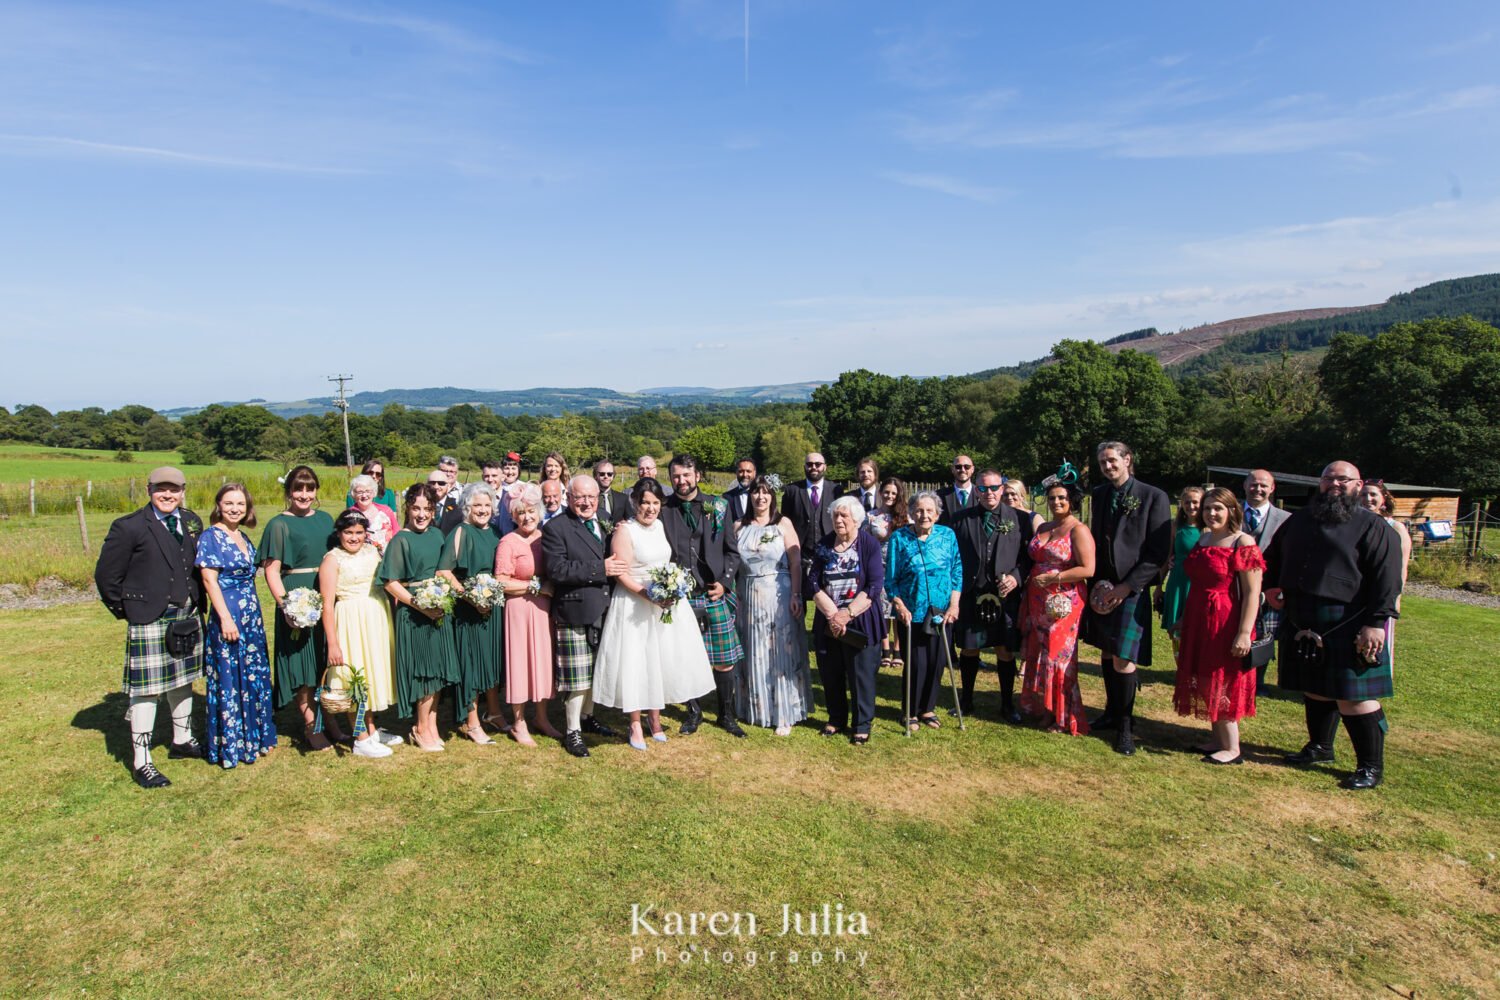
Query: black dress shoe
(572,742)
(731,726)
(1313,753)
(147,776)
(178,751)
(1363,777)
(1125,741)
(1211,759)
(593,725)
(693,721)
(1009,713)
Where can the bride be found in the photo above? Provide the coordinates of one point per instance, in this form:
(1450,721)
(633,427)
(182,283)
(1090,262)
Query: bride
(645,663)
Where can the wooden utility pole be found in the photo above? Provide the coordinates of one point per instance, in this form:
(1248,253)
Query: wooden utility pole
(343,404)
(83,524)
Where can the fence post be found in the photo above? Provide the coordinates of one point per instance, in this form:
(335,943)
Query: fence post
(132,491)
(83,525)
(88,489)
(33,498)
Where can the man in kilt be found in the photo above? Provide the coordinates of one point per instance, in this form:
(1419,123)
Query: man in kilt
(575,549)
(145,575)
(993,544)
(1132,527)
(704,543)
(1334,570)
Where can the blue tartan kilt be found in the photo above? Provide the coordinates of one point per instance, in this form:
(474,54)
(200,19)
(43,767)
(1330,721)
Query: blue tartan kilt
(1340,672)
(1124,633)
(149,668)
(721,638)
(572,658)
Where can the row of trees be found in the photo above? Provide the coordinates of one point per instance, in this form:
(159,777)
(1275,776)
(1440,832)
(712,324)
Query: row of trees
(1418,403)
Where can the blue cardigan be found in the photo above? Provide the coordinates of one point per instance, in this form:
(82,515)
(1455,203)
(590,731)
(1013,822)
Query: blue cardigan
(925,573)
(871,581)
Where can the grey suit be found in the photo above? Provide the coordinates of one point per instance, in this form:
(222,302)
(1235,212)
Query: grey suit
(1273,519)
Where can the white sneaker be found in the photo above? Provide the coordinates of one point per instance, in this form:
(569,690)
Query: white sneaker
(371,748)
(388,739)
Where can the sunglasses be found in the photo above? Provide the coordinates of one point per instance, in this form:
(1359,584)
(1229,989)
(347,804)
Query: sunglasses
(604,475)
(989,489)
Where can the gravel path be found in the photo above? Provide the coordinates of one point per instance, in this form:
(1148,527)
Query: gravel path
(1452,594)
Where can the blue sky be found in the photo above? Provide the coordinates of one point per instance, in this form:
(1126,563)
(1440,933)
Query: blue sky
(235,199)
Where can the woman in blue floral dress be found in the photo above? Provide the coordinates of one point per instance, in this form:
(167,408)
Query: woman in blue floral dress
(236,666)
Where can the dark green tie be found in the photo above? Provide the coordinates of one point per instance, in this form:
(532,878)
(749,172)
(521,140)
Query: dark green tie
(690,517)
(594,527)
(173,528)
(990,522)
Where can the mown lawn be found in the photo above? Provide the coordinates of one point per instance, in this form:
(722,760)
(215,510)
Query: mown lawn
(996,862)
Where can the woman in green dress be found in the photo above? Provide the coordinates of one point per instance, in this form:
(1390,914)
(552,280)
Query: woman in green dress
(291,550)
(425,658)
(478,635)
(1186,532)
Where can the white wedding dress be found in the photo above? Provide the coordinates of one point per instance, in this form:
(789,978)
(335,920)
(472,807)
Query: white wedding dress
(644,662)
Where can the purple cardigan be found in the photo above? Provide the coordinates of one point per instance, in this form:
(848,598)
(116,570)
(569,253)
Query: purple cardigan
(871,581)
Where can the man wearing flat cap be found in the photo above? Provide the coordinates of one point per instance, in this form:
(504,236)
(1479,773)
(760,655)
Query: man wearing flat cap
(146,576)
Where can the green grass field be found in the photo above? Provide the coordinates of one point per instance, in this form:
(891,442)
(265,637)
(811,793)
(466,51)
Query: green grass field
(996,862)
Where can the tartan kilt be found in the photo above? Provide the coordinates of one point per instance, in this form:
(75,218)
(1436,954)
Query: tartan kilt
(721,638)
(1124,633)
(149,668)
(1342,674)
(572,658)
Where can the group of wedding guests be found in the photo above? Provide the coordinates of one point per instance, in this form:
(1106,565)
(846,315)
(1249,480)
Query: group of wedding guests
(654,598)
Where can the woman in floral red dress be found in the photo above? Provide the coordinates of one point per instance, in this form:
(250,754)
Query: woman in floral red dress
(1062,561)
(1218,625)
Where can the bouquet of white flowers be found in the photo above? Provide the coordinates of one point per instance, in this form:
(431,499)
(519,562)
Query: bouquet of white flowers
(303,608)
(483,591)
(433,595)
(669,582)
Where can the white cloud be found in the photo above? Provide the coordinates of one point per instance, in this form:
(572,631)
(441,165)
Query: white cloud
(88,146)
(438,33)
(943,184)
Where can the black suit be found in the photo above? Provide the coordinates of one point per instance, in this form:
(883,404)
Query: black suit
(811,525)
(615,506)
(738,498)
(712,556)
(951,503)
(142,568)
(858,493)
(987,558)
(574,559)
(1132,541)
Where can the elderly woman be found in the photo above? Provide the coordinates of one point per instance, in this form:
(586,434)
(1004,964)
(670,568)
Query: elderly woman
(1013,494)
(291,550)
(478,634)
(425,658)
(528,616)
(926,580)
(381,518)
(384,495)
(846,579)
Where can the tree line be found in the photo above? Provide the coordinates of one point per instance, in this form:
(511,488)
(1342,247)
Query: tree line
(1418,403)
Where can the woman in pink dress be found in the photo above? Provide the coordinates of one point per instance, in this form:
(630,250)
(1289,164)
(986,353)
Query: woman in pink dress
(1218,626)
(1062,561)
(528,616)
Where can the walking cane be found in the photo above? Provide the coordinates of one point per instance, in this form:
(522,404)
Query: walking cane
(906,674)
(957,708)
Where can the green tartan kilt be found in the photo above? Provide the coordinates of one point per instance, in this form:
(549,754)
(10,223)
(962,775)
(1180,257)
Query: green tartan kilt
(572,658)
(1124,633)
(1342,673)
(149,668)
(721,638)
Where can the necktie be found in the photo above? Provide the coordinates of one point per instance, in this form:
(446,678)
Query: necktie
(869,500)
(989,522)
(963,498)
(689,517)
(594,529)
(1252,518)
(814,492)
(173,527)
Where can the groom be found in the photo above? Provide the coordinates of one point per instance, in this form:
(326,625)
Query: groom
(576,552)
(703,543)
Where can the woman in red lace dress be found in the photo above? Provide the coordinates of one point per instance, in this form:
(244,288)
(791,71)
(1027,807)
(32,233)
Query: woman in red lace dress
(1218,626)
(1062,560)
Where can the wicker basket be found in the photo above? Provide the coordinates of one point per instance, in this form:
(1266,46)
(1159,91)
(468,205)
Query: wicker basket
(336,700)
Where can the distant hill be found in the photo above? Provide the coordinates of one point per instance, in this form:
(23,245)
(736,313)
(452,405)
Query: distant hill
(541,401)
(1253,339)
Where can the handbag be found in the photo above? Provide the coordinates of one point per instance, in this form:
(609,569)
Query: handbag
(1262,647)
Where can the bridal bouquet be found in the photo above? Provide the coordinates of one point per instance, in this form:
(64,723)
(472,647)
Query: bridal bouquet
(483,591)
(433,595)
(669,582)
(303,608)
